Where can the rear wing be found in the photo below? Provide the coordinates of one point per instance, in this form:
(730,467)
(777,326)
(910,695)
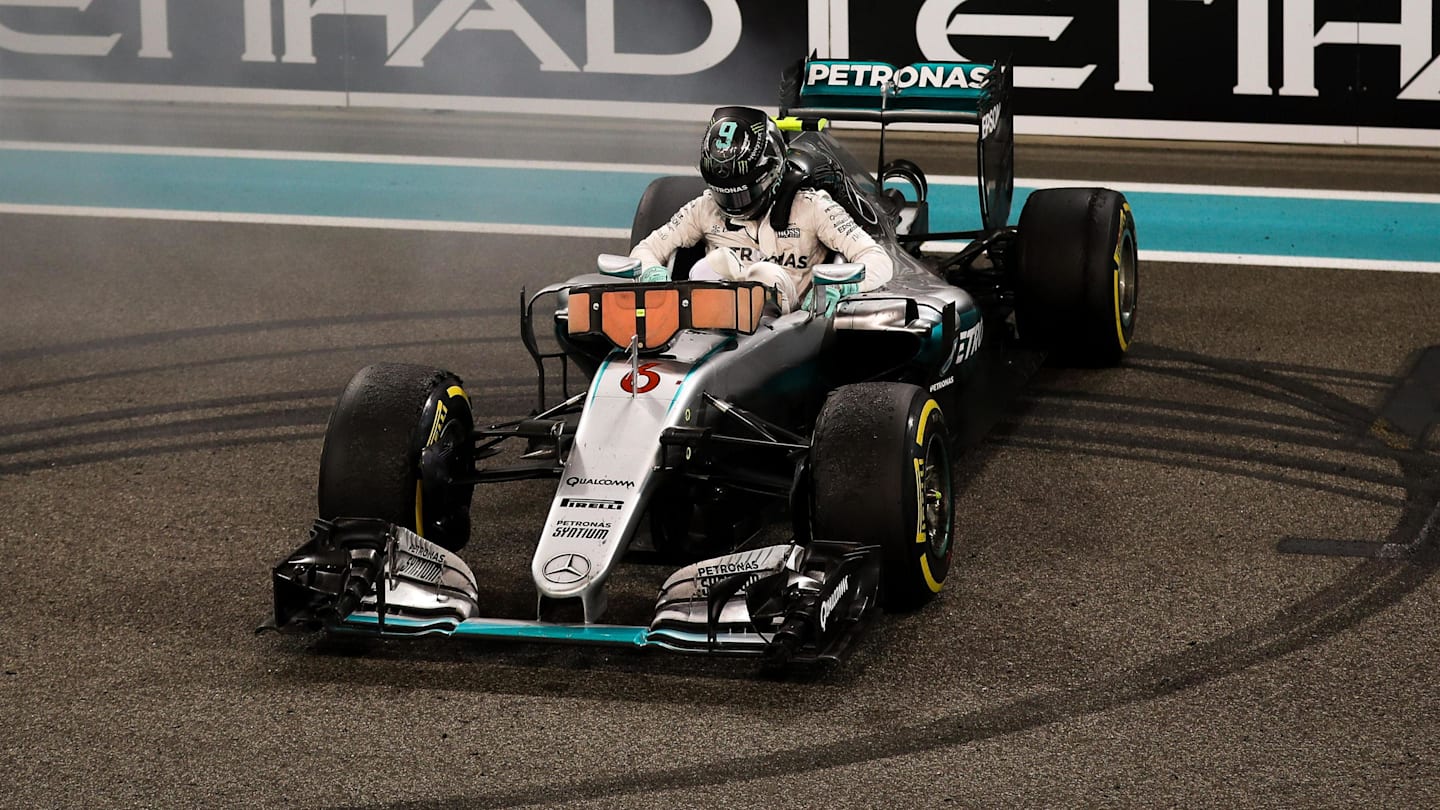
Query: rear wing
(960,93)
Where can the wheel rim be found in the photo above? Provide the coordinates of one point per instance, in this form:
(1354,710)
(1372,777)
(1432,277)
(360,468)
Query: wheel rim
(1127,281)
(440,506)
(938,514)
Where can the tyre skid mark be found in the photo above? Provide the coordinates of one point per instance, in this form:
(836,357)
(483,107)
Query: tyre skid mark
(1123,450)
(1058,436)
(327,395)
(1057,397)
(253,327)
(1334,439)
(1361,592)
(98,457)
(259,357)
(197,426)
(166,409)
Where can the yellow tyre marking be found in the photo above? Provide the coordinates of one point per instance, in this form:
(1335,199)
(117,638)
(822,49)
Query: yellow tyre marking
(929,578)
(920,537)
(930,405)
(1119,327)
(919,504)
(440,412)
(1120,237)
(1120,243)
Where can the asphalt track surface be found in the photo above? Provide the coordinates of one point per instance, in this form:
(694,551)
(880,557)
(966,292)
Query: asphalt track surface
(1203,578)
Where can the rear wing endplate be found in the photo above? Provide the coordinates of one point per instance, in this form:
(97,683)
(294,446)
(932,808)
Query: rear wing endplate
(960,93)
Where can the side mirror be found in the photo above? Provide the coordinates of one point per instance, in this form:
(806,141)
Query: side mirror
(618,266)
(846,273)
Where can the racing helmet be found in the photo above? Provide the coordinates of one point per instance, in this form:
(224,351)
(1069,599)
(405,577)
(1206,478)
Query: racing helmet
(741,160)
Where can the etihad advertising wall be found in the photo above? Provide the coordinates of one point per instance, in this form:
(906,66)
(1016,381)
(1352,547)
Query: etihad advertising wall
(1278,66)
(1264,70)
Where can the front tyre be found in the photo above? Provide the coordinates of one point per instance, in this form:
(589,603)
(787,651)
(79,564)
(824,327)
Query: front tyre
(1078,275)
(398,438)
(880,467)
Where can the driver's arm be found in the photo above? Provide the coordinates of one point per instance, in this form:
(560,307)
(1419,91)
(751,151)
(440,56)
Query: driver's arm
(685,229)
(835,229)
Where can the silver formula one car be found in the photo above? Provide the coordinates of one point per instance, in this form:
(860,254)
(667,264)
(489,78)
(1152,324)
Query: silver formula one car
(707,413)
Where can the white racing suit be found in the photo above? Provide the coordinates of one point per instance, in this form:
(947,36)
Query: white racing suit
(741,250)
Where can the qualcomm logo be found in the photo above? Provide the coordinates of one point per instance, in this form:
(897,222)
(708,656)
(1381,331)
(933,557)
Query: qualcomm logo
(828,606)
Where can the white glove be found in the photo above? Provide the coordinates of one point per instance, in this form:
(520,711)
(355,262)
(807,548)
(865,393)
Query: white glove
(720,264)
(775,277)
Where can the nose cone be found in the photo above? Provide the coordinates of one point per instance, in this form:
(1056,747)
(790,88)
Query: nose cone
(563,574)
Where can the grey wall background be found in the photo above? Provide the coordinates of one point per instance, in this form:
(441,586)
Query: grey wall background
(1269,70)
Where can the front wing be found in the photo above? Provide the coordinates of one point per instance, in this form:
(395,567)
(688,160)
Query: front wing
(785,603)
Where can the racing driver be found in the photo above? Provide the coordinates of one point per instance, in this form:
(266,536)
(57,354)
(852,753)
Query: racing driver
(742,160)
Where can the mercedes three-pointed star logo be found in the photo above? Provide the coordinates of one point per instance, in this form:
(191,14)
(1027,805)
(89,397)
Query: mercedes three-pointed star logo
(566,569)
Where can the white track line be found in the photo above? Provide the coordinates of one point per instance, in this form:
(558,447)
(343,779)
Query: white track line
(680,111)
(664,169)
(623,233)
(1314,262)
(329,222)
(344,157)
(1204,190)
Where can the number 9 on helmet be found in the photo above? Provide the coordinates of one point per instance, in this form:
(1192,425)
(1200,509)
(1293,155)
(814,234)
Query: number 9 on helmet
(741,160)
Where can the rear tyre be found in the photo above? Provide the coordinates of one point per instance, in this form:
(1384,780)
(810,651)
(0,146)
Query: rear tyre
(662,198)
(389,418)
(1078,274)
(880,467)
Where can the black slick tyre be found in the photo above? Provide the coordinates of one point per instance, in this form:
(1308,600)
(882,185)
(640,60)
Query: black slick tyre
(880,467)
(1078,274)
(662,198)
(390,419)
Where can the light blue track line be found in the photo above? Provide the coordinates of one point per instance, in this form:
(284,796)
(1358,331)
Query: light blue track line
(320,188)
(590,198)
(1267,226)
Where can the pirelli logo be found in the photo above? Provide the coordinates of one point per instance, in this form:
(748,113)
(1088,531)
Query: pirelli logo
(591,503)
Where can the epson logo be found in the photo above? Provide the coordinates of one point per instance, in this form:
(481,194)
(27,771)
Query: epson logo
(828,606)
(990,121)
(878,75)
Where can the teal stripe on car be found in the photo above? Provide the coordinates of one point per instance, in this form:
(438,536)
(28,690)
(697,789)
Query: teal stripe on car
(516,630)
